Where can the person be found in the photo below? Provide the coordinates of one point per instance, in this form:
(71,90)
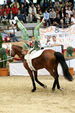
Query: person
(12,33)
(32,13)
(54,41)
(46,17)
(52,15)
(25,35)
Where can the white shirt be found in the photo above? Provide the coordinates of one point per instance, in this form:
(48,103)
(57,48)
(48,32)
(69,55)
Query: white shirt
(73,20)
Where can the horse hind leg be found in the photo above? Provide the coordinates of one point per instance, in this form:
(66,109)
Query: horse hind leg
(36,79)
(54,73)
(56,82)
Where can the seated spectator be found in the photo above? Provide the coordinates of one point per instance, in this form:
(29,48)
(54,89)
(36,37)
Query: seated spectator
(32,13)
(2,10)
(62,14)
(67,20)
(48,42)
(0,15)
(54,41)
(73,19)
(46,17)
(12,33)
(6,30)
(5,18)
(9,2)
(26,6)
(50,6)
(39,16)
(38,9)
(69,11)
(62,23)
(11,18)
(57,20)
(15,10)
(52,15)
(7,10)
(57,6)
(23,12)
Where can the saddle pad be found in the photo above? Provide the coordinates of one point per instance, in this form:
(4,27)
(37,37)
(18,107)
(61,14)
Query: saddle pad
(34,54)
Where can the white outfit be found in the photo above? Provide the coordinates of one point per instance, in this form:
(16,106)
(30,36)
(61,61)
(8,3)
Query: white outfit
(30,16)
(73,20)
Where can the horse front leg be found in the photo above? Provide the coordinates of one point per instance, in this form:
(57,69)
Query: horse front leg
(36,79)
(33,81)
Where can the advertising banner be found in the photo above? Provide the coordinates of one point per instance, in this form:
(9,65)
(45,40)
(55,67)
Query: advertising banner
(65,37)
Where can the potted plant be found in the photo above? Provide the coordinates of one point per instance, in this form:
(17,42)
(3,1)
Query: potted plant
(3,59)
(69,51)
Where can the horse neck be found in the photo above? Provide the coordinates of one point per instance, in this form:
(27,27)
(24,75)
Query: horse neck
(17,51)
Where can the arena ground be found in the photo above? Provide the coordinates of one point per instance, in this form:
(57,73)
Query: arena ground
(16,96)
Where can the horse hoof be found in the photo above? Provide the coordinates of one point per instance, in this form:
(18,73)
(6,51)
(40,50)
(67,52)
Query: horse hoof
(45,86)
(33,90)
(53,89)
(61,89)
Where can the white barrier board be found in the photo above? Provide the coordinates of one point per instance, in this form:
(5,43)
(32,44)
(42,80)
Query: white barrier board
(19,69)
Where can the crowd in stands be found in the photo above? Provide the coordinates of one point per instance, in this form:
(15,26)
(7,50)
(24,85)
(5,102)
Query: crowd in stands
(61,14)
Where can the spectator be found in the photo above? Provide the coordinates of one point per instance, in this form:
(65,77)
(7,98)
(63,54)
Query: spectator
(46,17)
(0,15)
(23,12)
(50,6)
(69,11)
(57,20)
(48,43)
(54,41)
(19,15)
(73,19)
(2,10)
(62,15)
(38,9)
(14,10)
(9,2)
(32,13)
(26,6)
(7,10)
(57,6)
(5,16)
(12,33)
(11,16)
(61,23)
(52,15)
(67,20)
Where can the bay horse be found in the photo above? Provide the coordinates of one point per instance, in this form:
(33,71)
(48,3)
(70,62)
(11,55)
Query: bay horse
(49,60)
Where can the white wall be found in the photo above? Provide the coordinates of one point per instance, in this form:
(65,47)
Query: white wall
(18,69)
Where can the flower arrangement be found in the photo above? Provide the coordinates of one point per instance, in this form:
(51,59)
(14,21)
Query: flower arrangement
(69,50)
(3,55)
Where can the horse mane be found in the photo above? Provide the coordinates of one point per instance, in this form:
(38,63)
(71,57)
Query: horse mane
(17,47)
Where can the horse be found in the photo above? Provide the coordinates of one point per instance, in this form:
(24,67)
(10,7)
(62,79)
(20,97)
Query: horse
(49,60)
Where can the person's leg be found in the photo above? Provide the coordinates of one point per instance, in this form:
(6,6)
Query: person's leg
(16,38)
(45,22)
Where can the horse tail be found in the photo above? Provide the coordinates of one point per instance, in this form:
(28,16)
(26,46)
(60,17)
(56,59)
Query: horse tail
(60,58)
